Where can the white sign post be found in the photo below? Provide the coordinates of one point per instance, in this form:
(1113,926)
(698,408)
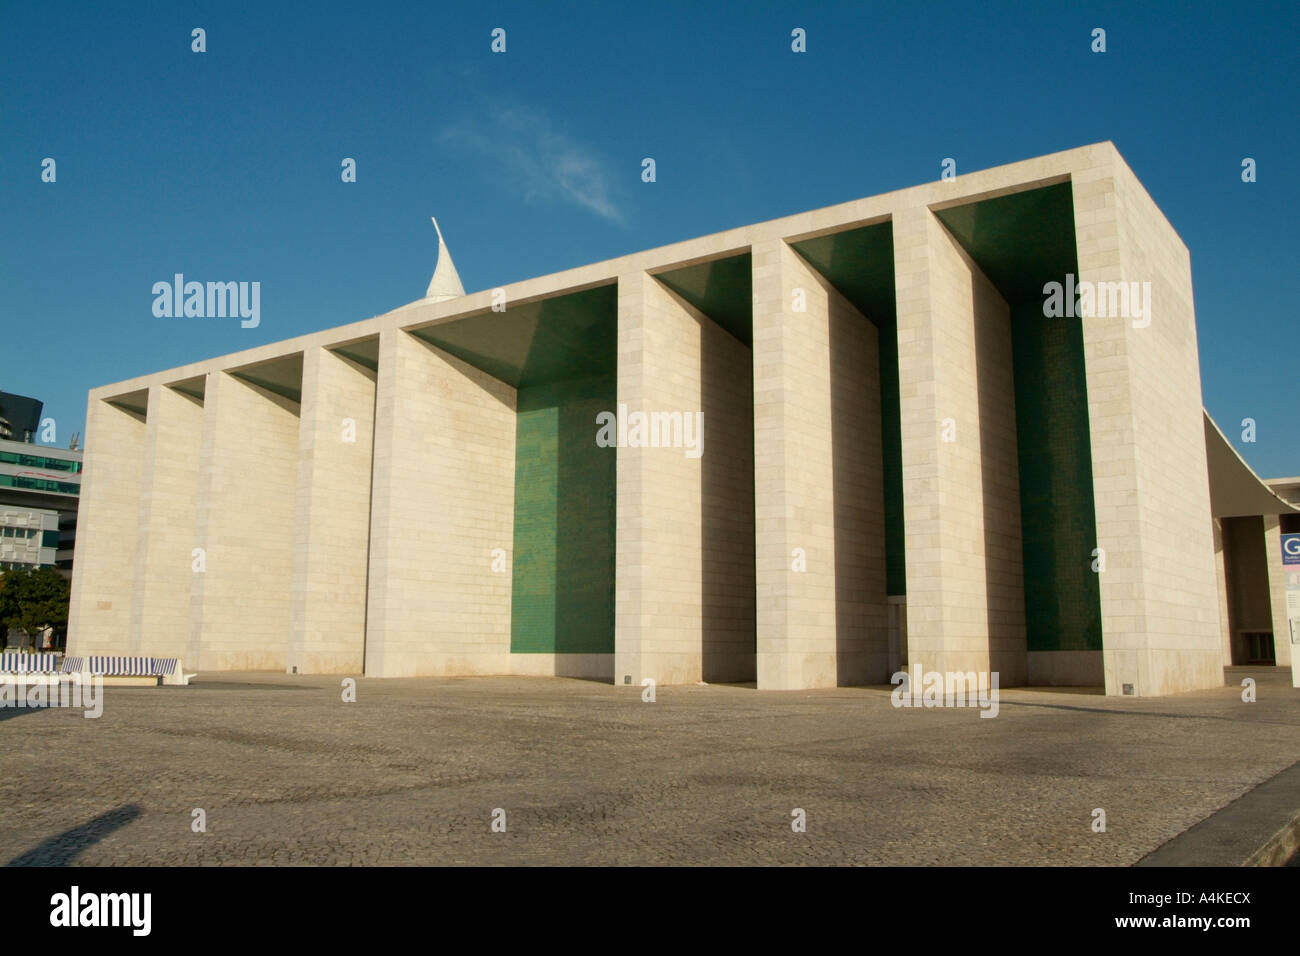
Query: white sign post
(1293,616)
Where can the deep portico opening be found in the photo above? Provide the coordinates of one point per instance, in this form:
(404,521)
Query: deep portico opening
(718,296)
(1022,242)
(560,354)
(859,263)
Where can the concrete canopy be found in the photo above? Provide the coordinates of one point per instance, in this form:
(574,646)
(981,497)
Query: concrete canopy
(1235,490)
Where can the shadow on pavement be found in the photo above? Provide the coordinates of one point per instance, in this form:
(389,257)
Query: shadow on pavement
(62,849)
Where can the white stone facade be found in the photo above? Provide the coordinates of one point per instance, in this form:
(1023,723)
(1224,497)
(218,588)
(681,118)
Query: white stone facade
(374,555)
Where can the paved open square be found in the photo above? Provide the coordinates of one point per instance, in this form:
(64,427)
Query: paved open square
(286,772)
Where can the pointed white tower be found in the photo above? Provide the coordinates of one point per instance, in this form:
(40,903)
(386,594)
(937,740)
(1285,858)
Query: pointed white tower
(445,283)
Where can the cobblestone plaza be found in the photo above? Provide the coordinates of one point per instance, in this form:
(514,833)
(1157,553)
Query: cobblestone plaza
(287,773)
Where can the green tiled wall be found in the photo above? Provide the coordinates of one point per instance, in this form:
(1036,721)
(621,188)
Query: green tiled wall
(891,440)
(563,586)
(1058,521)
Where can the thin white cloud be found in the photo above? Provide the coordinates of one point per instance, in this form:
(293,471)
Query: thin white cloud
(545,165)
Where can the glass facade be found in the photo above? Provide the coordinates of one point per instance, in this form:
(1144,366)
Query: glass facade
(40,461)
(39,484)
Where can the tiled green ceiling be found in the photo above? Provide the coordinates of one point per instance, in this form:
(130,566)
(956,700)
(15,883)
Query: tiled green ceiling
(283,376)
(137,403)
(860,263)
(722,289)
(553,340)
(194,387)
(365,352)
(1020,241)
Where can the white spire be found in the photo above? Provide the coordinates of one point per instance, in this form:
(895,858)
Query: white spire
(445,283)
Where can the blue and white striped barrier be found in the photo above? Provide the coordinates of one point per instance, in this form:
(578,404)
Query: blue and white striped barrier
(120,666)
(24,663)
(170,669)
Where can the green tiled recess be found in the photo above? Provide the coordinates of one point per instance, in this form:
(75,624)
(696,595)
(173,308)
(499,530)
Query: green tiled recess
(1057,517)
(563,599)
(561,354)
(1021,242)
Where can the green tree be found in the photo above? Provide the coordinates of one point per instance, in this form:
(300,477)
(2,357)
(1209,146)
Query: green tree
(33,599)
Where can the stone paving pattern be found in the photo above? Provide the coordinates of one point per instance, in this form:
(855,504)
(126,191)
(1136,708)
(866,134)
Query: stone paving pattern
(589,774)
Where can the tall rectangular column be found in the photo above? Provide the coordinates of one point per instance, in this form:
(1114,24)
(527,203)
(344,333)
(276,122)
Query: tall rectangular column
(442,521)
(822,613)
(332,515)
(160,609)
(965,600)
(248,463)
(99,616)
(684,591)
(1221,576)
(1159,590)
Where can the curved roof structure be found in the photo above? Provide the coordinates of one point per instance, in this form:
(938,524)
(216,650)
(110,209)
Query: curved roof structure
(1235,489)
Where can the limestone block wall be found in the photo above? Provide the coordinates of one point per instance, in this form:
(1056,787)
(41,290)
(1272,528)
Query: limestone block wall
(160,600)
(1160,614)
(99,615)
(684,575)
(961,497)
(244,522)
(442,502)
(819,482)
(332,515)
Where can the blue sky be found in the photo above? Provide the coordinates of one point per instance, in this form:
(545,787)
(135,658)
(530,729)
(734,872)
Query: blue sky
(225,165)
